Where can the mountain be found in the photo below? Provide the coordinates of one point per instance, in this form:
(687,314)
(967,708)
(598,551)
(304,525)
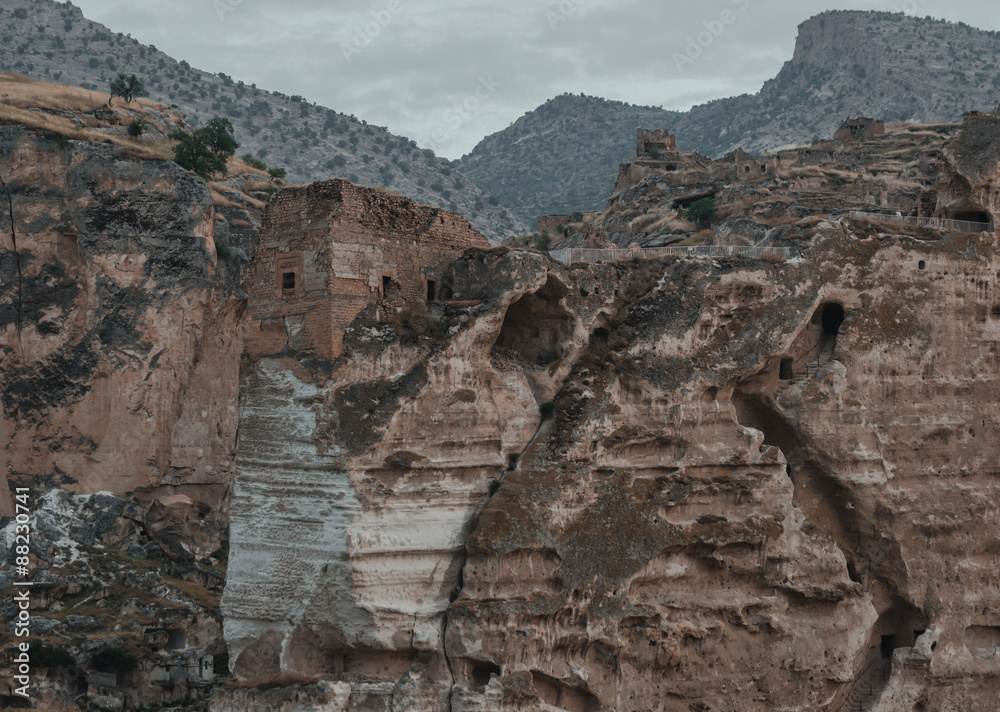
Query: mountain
(55,42)
(886,65)
(563,156)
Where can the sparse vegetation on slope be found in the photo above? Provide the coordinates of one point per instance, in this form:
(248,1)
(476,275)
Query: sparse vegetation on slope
(52,41)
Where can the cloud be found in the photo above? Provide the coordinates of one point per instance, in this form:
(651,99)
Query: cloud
(430,56)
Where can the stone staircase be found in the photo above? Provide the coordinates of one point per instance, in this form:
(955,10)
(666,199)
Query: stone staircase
(868,686)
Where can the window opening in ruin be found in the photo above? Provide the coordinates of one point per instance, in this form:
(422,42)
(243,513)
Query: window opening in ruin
(763,169)
(922,265)
(746,169)
(288,280)
(431,290)
(785,371)
(176,640)
(386,281)
(888,645)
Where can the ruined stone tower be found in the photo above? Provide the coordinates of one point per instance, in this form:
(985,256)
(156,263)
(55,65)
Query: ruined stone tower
(330,249)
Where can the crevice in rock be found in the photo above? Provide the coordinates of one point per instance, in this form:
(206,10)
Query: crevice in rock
(824,501)
(17,262)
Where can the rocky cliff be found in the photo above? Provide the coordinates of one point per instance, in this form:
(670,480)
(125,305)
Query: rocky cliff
(119,321)
(720,485)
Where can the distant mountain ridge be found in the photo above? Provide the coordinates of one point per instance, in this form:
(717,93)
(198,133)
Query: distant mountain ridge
(559,158)
(55,42)
(563,156)
(886,65)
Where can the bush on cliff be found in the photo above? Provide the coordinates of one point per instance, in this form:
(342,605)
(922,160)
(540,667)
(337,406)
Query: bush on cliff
(701,211)
(206,150)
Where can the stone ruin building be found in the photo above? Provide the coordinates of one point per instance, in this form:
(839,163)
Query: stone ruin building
(331,249)
(750,166)
(658,140)
(860,128)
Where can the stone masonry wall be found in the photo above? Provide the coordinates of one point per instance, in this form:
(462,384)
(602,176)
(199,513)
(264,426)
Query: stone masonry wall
(343,245)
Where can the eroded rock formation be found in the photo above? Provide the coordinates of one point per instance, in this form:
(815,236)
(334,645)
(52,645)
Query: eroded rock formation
(760,487)
(118,324)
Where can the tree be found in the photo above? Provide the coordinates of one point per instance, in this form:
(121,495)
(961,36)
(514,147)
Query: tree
(206,150)
(277,173)
(701,211)
(128,87)
(220,136)
(194,153)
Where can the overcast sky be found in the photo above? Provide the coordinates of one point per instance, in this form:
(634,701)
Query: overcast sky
(448,73)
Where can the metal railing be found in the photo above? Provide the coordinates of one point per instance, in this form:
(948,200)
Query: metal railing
(932,223)
(569,255)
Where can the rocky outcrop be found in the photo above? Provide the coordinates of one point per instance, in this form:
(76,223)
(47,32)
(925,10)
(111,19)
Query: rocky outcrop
(691,485)
(118,324)
(967,186)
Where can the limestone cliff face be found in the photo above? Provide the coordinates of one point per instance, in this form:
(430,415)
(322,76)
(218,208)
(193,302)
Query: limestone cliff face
(118,323)
(762,487)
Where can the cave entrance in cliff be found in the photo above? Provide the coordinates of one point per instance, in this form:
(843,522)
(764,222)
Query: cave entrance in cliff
(786,369)
(481,672)
(973,215)
(829,318)
(898,627)
(537,327)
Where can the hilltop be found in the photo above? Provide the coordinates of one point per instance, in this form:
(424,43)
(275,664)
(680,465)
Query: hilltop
(561,157)
(55,42)
(887,65)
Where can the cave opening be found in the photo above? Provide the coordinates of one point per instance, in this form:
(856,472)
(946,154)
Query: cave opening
(481,673)
(176,640)
(537,327)
(887,646)
(973,216)
(786,369)
(832,318)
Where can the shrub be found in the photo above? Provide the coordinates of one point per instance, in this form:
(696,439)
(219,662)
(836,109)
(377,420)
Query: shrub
(547,410)
(57,137)
(542,242)
(114,659)
(136,128)
(601,334)
(48,656)
(701,211)
(249,159)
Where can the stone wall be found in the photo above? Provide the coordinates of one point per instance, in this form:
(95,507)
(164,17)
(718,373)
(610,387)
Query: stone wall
(330,249)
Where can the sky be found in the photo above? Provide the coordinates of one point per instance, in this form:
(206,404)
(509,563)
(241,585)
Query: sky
(448,73)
